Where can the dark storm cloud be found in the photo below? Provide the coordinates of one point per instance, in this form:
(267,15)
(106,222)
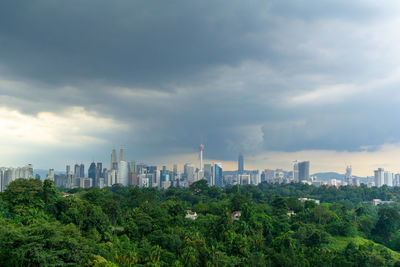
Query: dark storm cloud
(222,72)
(125,42)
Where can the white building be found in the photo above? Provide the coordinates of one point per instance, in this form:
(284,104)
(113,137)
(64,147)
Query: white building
(388,178)
(189,171)
(123,173)
(379,177)
(7,175)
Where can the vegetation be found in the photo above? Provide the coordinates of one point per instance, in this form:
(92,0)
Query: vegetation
(131,226)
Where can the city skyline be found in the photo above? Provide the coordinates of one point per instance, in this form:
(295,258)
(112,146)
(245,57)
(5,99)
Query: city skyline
(279,81)
(127,172)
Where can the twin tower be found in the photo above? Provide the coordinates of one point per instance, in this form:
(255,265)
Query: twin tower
(114,162)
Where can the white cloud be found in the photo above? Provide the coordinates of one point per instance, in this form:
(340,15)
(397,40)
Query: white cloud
(327,94)
(73,127)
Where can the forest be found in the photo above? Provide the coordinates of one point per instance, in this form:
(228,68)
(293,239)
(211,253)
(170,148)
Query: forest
(264,225)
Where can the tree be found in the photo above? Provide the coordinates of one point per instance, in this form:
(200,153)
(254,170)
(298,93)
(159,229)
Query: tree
(50,196)
(387,223)
(23,194)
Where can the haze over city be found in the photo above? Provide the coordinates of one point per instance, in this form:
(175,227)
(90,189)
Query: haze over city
(276,80)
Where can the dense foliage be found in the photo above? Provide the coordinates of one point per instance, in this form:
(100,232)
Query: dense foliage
(130,226)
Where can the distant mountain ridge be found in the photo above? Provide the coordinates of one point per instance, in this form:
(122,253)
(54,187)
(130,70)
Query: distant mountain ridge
(329,175)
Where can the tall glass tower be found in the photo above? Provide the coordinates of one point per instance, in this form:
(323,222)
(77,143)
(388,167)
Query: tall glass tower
(304,170)
(240,164)
(92,173)
(218,178)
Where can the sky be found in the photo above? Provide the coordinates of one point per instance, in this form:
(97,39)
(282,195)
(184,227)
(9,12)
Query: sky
(276,80)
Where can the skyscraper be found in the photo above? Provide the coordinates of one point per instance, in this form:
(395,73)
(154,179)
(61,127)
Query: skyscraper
(123,173)
(388,178)
(113,159)
(121,155)
(379,177)
(201,148)
(208,173)
(92,173)
(175,171)
(240,164)
(82,167)
(77,171)
(68,169)
(132,166)
(348,176)
(99,170)
(218,178)
(296,171)
(188,169)
(304,170)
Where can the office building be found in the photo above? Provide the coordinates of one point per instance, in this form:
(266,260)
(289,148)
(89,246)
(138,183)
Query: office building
(296,171)
(82,170)
(348,177)
(114,162)
(208,173)
(92,173)
(77,171)
(244,179)
(123,173)
(379,177)
(188,171)
(388,178)
(218,176)
(240,164)
(304,170)
(201,148)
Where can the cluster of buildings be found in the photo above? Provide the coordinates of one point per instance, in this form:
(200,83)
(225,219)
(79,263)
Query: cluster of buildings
(382,177)
(137,174)
(143,175)
(131,173)
(7,175)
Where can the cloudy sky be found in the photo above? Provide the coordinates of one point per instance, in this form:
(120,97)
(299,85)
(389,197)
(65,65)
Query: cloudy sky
(276,80)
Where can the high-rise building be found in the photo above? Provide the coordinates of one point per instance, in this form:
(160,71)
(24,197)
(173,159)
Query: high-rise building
(396,181)
(201,148)
(111,178)
(99,170)
(244,179)
(121,155)
(77,171)
(132,166)
(92,173)
(50,175)
(208,173)
(123,173)
(175,171)
(82,167)
(114,163)
(240,164)
(356,181)
(388,178)
(255,177)
(188,171)
(69,180)
(379,177)
(68,169)
(85,182)
(218,176)
(348,178)
(296,171)
(304,170)
(141,168)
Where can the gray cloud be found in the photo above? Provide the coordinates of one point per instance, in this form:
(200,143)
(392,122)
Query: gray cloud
(250,76)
